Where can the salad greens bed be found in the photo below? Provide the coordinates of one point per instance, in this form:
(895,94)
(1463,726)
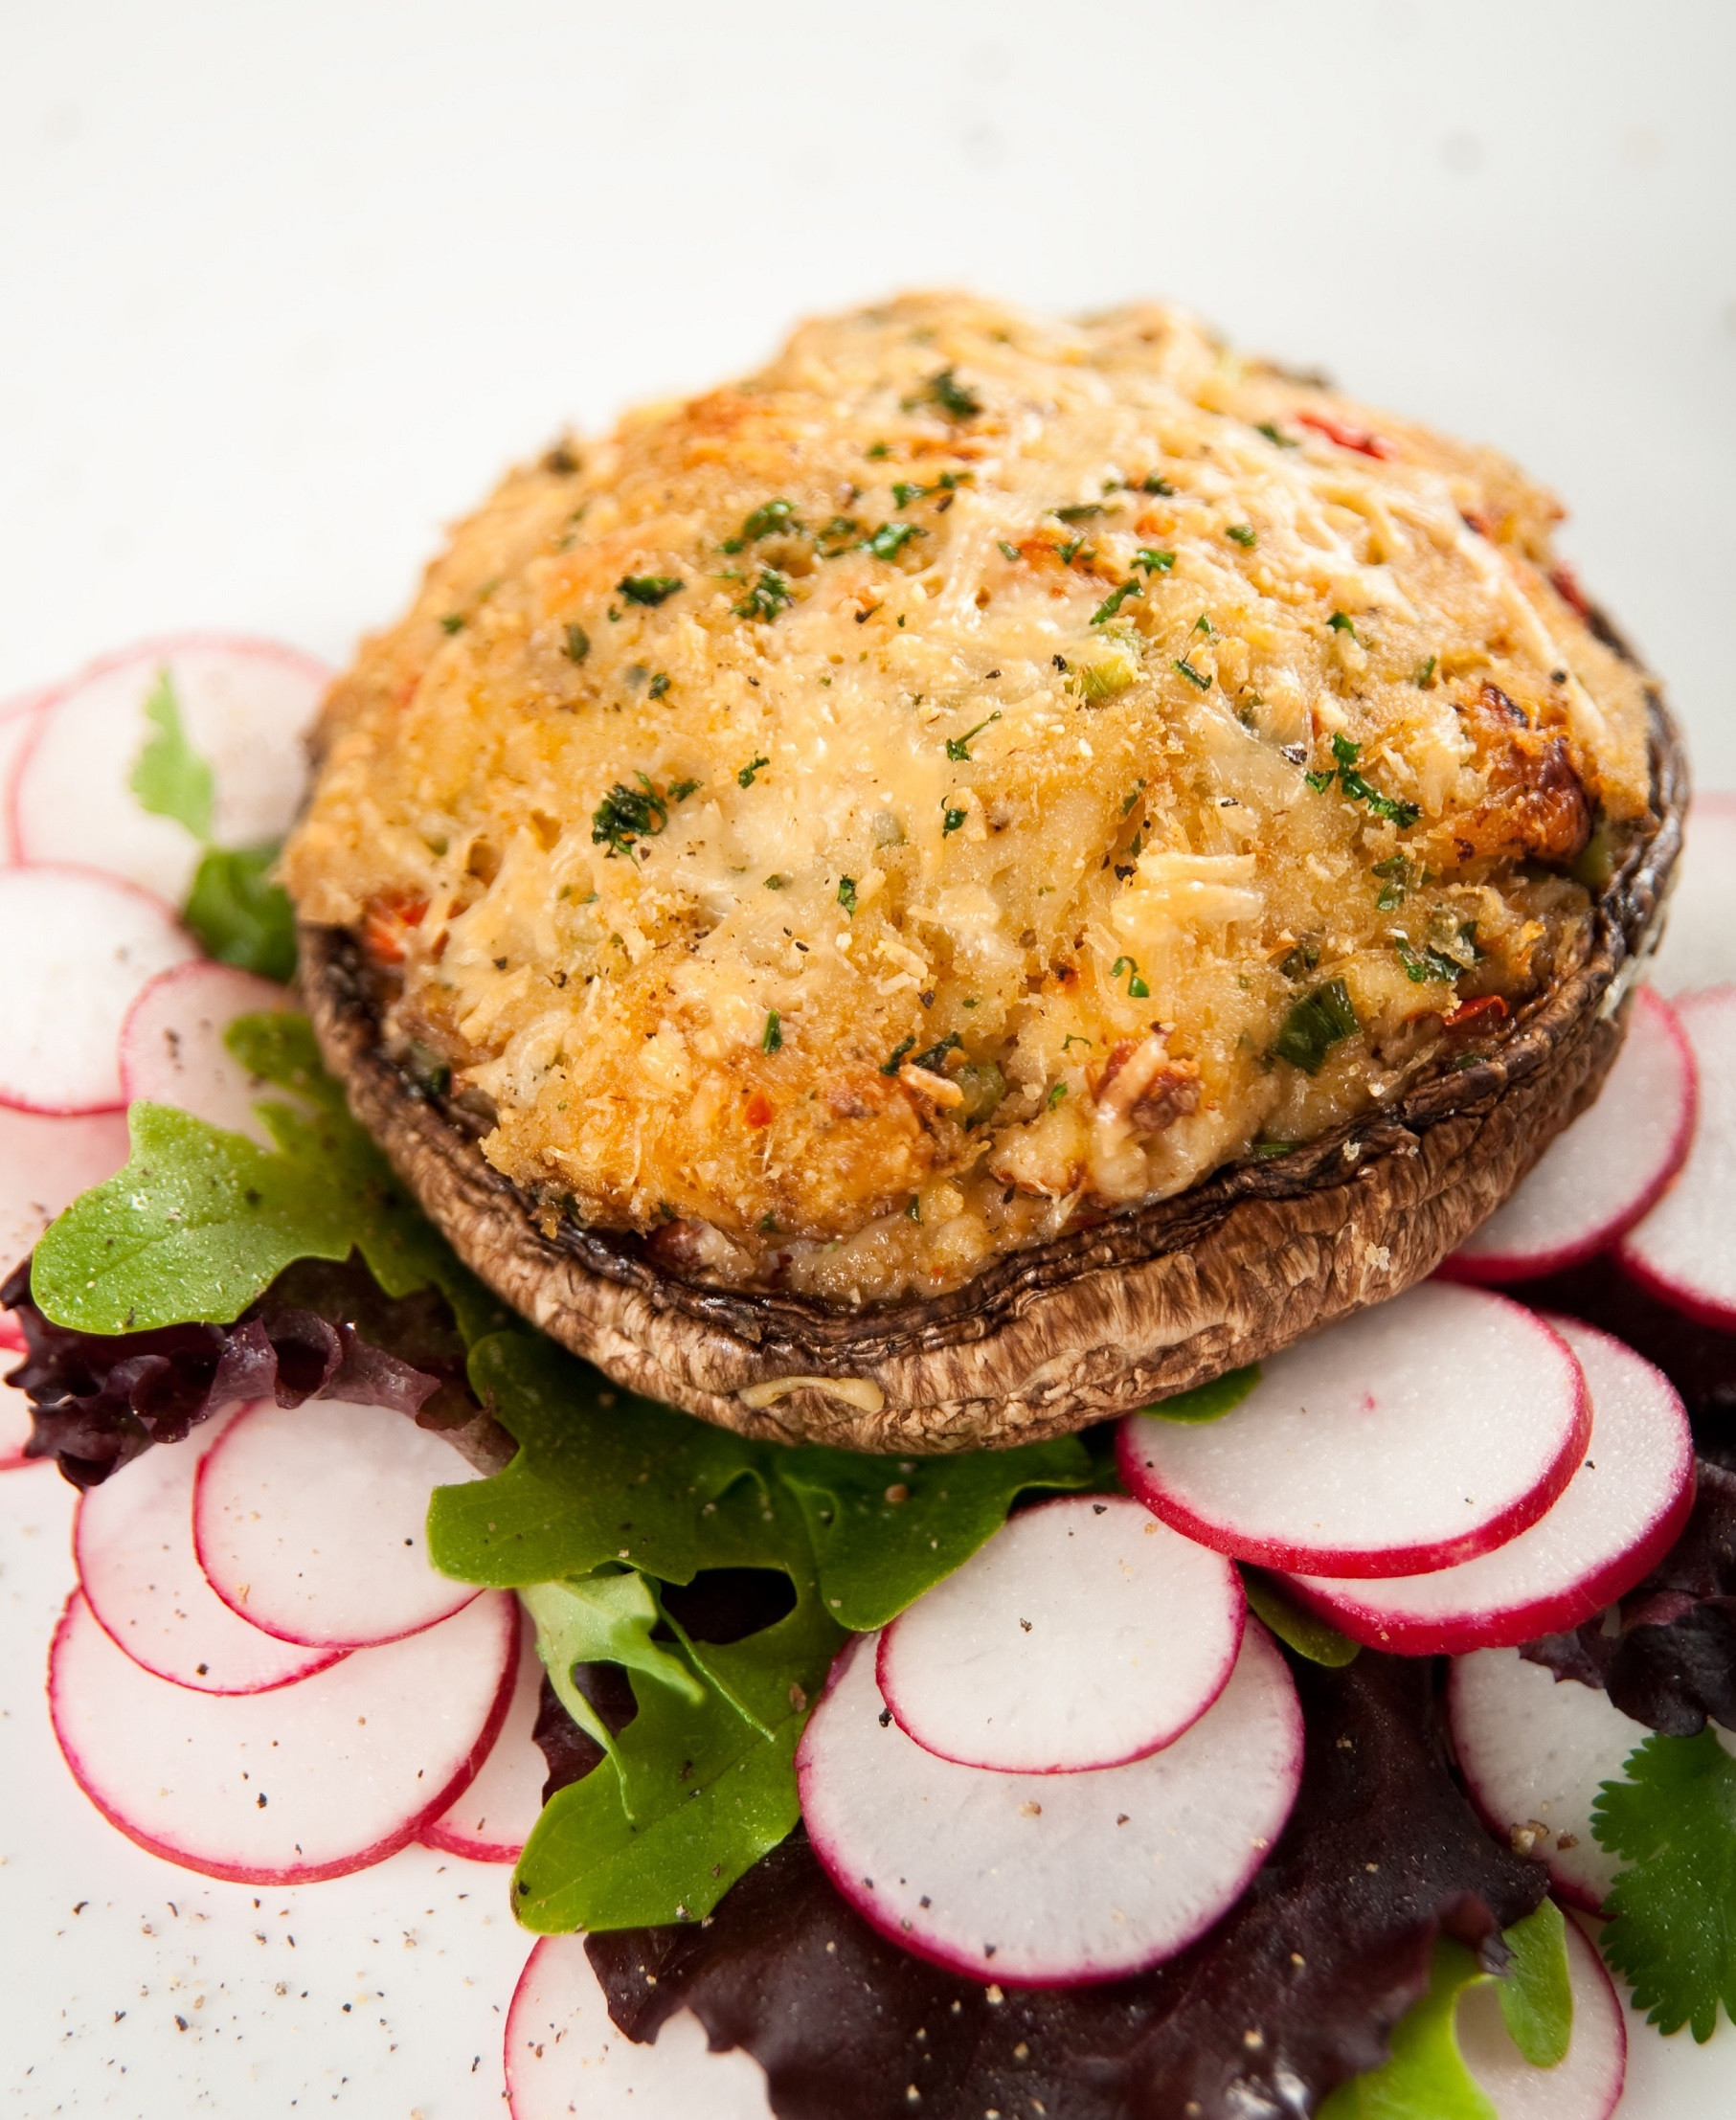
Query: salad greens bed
(614,1507)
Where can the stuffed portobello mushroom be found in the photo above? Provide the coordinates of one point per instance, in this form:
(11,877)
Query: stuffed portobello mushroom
(983,875)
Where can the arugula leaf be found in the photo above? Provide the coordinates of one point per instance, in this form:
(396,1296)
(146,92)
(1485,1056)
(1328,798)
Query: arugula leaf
(1210,1402)
(885,1528)
(169,777)
(1673,1930)
(1425,2078)
(607,1619)
(1535,1993)
(239,914)
(201,1221)
(600,1475)
(1296,1629)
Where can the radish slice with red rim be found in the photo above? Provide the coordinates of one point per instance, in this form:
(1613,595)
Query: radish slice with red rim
(1534,1750)
(566,2056)
(1057,1881)
(1699,946)
(245,706)
(309,1521)
(310,1780)
(45,1163)
(15,1425)
(1412,1436)
(1603,1173)
(132,1541)
(80,949)
(18,719)
(1621,1512)
(1585,2083)
(1084,1634)
(173,1050)
(1685,1252)
(492,1819)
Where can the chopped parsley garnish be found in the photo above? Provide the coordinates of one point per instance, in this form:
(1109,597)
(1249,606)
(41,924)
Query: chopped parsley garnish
(1082,511)
(846,894)
(838,536)
(1138,789)
(1340,621)
(750,772)
(890,539)
(878,450)
(951,820)
(1358,787)
(577,645)
(659,684)
(1185,668)
(770,1038)
(679,791)
(1422,965)
(1302,958)
(1113,602)
(1151,483)
(914,1208)
(1274,432)
(955,399)
(957,746)
(949,482)
(895,1059)
(627,814)
(776,882)
(1137,988)
(1266,1150)
(1243,534)
(769,517)
(933,1060)
(1202,624)
(1006,551)
(1424,680)
(1056,1094)
(1069,549)
(452,623)
(1314,1025)
(770,595)
(648,589)
(1154,562)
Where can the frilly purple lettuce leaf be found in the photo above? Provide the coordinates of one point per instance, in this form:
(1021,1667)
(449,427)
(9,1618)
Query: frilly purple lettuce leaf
(1293,1993)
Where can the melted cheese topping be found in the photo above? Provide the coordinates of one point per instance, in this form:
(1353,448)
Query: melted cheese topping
(978,772)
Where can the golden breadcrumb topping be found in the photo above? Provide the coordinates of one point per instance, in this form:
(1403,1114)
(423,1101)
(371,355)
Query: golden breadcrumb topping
(979,773)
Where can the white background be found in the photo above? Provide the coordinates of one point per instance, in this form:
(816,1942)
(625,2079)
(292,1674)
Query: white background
(283,287)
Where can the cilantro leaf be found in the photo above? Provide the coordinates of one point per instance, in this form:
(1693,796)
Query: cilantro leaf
(201,1221)
(239,914)
(1673,1930)
(885,1528)
(169,777)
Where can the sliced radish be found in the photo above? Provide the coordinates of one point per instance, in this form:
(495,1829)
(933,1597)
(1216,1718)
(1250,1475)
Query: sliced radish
(310,1780)
(173,1050)
(1412,1436)
(308,1522)
(1585,2083)
(1684,1251)
(1698,947)
(491,1819)
(1084,1634)
(18,719)
(1620,1514)
(45,1163)
(1534,1751)
(79,946)
(1598,1178)
(1072,1879)
(245,707)
(565,2056)
(15,1424)
(132,1541)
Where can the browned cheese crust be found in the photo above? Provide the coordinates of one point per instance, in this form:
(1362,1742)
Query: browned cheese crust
(859,850)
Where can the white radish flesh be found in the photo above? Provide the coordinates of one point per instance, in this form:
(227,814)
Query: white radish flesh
(173,1050)
(45,1163)
(245,706)
(1684,1251)
(1698,947)
(310,1780)
(309,1521)
(132,1541)
(1412,1436)
(1620,1514)
(1057,1881)
(80,949)
(1084,1634)
(565,2056)
(492,1820)
(1611,1165)
(1585,2083)
(1534,1751)
(18,719)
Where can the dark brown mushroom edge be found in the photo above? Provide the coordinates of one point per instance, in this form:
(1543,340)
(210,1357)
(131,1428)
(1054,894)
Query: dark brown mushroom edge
(1131,1309)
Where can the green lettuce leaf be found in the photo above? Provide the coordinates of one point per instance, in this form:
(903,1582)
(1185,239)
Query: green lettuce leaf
(1672,1931)
(201,1221)
(1296,1629)
(1210,1402)
(169,777)
(606,1620)
(1535,1993)
(239,915)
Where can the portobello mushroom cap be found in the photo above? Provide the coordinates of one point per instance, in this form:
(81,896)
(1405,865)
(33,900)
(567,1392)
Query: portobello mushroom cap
(1110,1317)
